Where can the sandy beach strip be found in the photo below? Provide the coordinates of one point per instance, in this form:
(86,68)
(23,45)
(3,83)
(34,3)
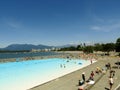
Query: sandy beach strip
(60,54)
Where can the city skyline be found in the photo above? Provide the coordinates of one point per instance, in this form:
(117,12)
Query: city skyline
(59,22)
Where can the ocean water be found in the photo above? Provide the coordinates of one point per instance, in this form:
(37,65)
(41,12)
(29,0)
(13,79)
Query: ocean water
(27,54)
(27,74)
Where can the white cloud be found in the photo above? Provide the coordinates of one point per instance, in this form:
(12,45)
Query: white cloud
(97,28)
(106,27)
(102,23)
(10,23)
(13,24)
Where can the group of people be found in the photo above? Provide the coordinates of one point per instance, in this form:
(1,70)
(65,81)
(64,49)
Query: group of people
(111,75)
(83,83)
(62,65)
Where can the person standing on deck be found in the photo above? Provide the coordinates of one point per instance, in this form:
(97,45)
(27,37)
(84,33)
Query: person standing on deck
(83,76)
(91,61)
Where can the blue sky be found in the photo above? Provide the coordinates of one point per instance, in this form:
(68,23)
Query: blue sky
(59,22)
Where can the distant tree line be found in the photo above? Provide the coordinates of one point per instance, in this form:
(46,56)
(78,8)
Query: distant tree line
(96,47)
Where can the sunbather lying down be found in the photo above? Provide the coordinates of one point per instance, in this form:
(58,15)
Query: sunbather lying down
(82,87)
(91,82)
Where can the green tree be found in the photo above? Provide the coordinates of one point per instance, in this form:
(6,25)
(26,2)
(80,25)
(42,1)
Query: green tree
(98,47)
(108,47)
(79,47)
(88,49)
(118,45)
(72,48)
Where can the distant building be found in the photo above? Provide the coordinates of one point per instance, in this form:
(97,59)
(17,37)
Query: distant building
(45,50)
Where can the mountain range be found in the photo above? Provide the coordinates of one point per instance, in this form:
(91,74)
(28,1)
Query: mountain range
(31,46)
(25,47)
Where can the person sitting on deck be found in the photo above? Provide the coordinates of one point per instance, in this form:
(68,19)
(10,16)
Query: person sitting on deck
(108,66)
(112,73)
(82,87)
(92,75)
(98,70)
(91,78)
(104,69)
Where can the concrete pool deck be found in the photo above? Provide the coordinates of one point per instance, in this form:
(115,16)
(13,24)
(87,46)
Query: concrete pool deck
(70,81)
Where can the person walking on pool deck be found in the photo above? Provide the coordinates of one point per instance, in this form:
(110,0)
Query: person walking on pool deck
(91,61)
(83,76)
(110,82)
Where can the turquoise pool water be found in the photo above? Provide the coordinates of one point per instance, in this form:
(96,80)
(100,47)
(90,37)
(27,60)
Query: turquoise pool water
(27,74)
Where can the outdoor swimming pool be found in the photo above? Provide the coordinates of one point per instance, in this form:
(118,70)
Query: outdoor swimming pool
(27,74)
